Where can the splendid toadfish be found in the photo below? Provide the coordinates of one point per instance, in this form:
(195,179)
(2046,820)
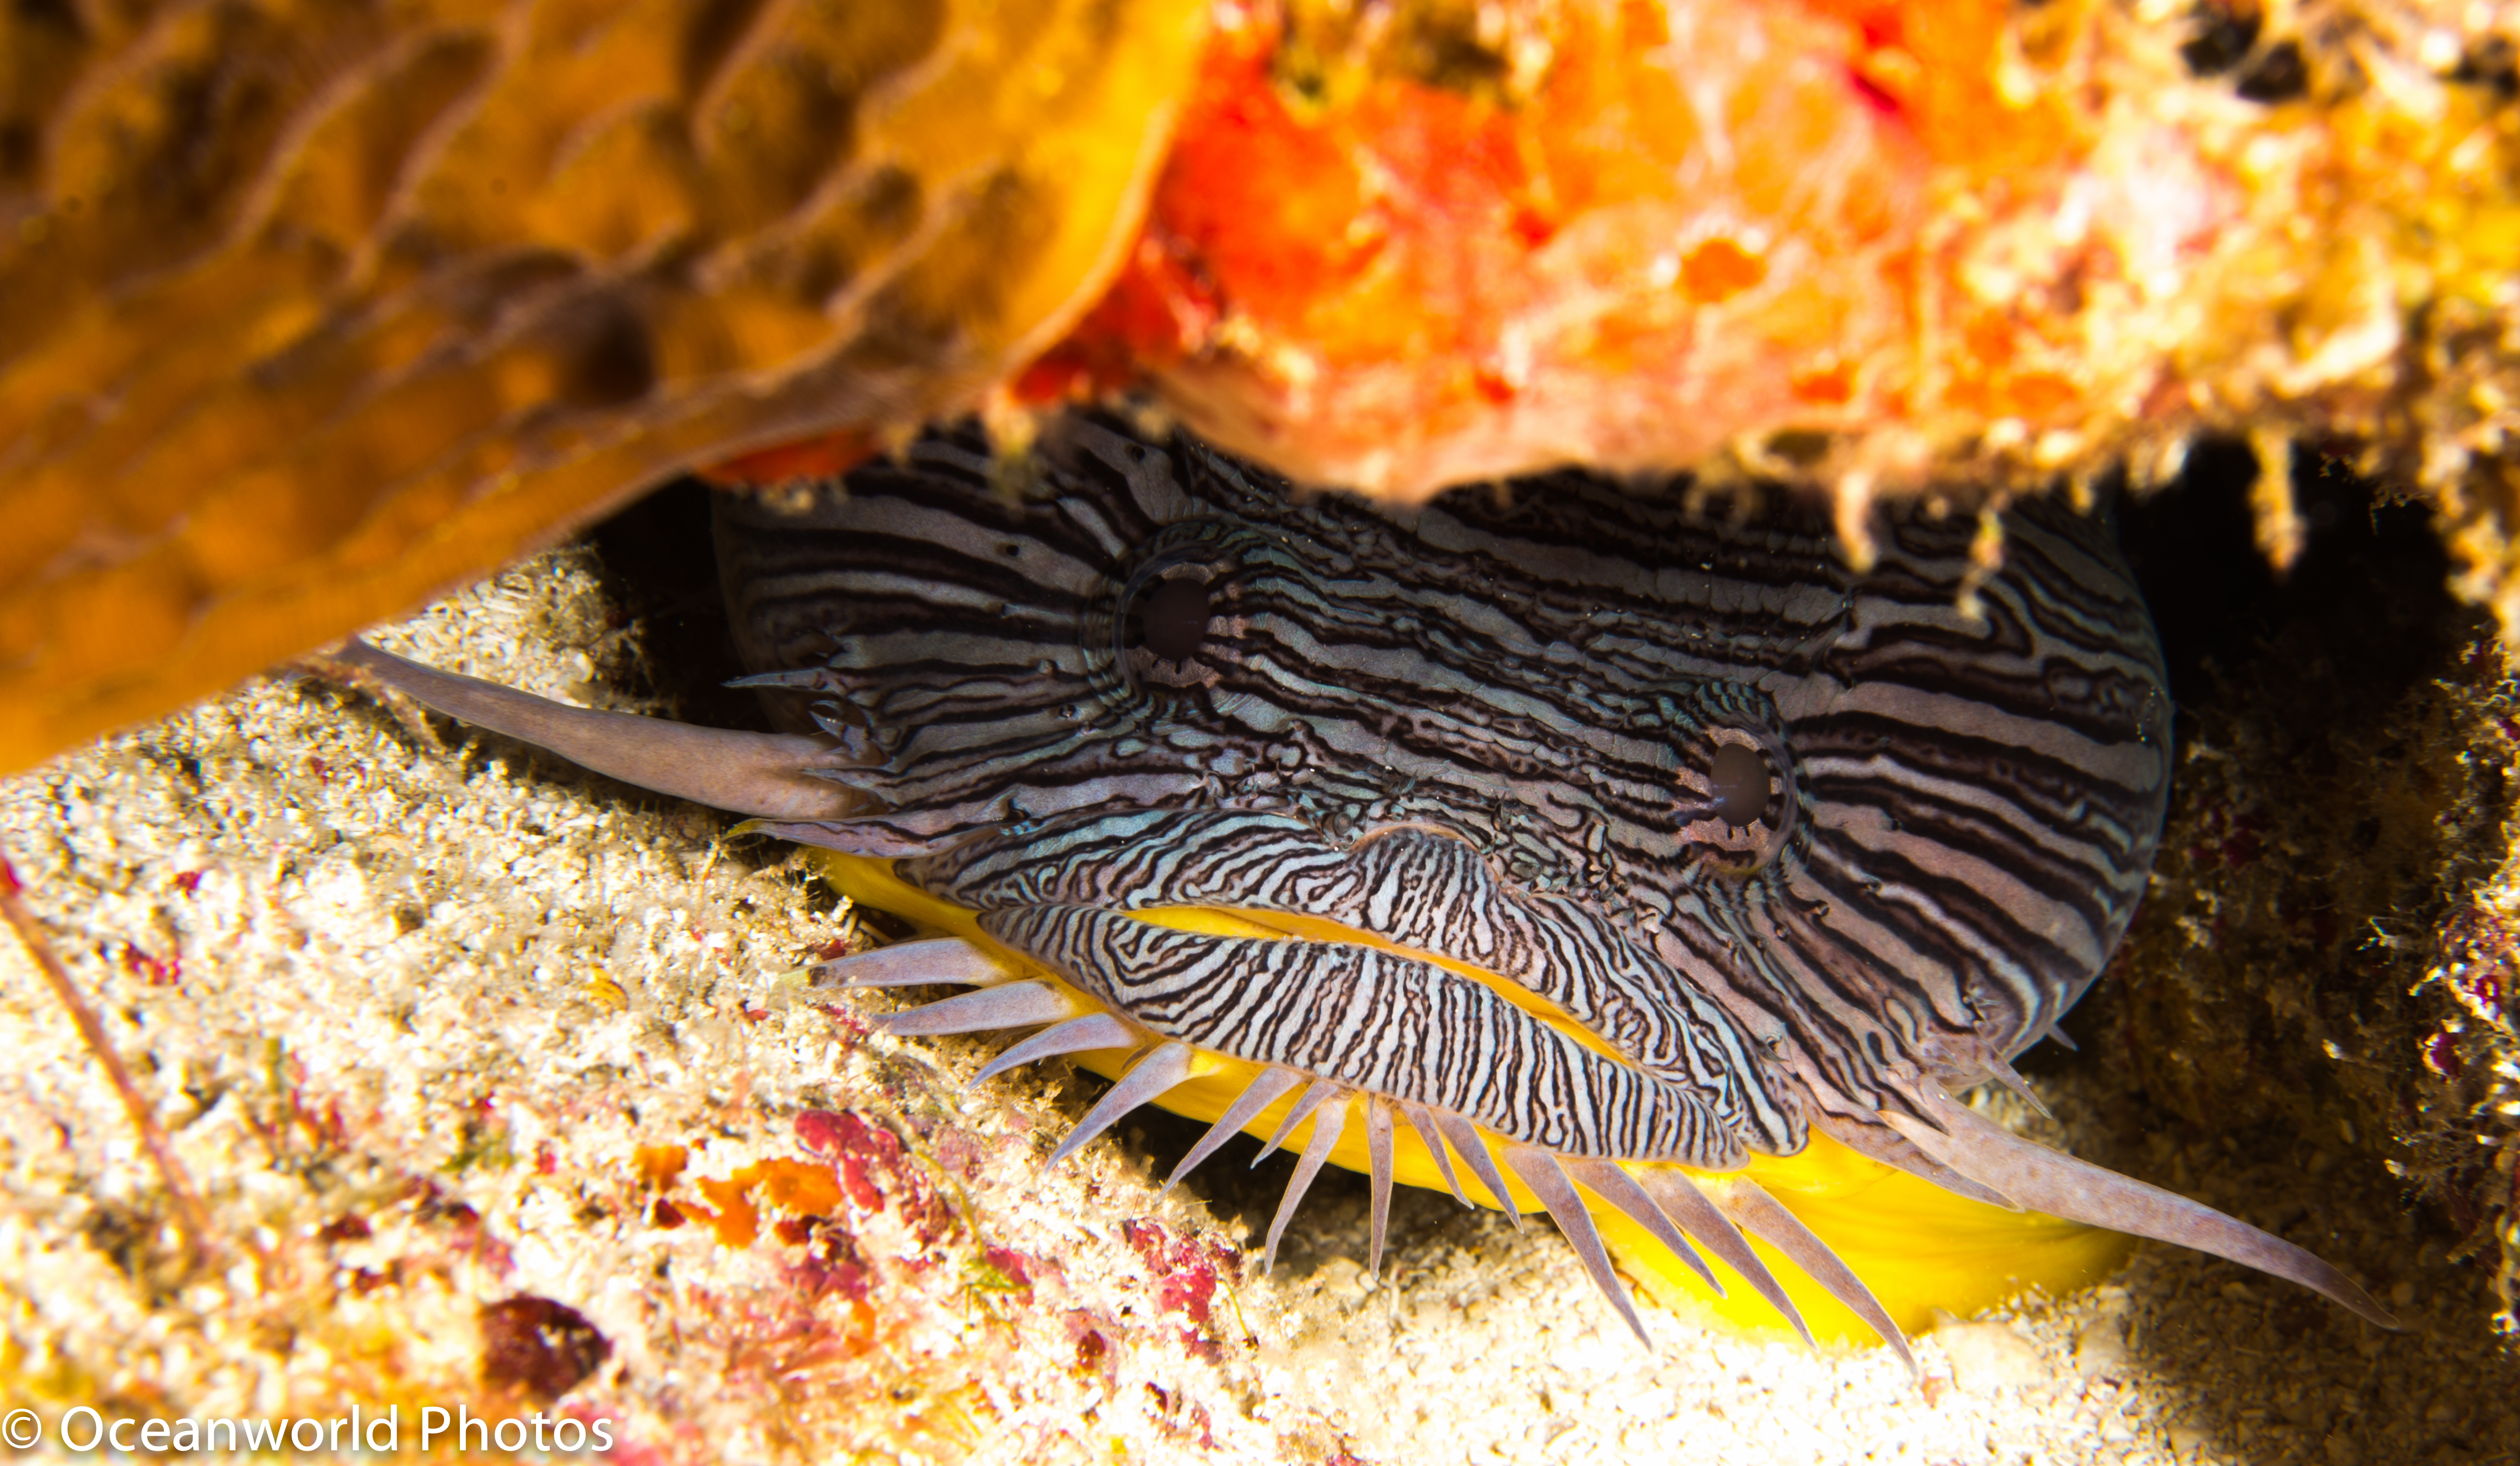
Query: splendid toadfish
(1558,849)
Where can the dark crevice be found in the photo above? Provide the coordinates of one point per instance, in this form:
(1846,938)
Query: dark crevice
(2222,40)
(659,569)
(2280,75)
(2369,597)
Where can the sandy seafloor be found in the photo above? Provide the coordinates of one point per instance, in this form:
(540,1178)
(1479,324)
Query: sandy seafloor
(411,1012)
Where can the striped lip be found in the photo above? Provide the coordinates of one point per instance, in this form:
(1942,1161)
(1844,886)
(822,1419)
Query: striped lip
(1261,925)
(1424,896)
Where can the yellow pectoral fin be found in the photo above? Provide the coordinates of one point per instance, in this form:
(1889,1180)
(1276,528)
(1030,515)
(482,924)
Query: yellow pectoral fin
(1918,1247)
(869,882)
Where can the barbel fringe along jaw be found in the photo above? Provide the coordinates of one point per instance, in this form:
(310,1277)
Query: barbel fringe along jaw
(1567,854)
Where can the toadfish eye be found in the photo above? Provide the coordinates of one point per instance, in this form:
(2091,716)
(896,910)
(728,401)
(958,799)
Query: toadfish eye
(1742,817)
(1173,623)
(1740,778)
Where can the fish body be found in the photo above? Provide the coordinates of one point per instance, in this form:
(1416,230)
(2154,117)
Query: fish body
(1561,847)
(1489,728)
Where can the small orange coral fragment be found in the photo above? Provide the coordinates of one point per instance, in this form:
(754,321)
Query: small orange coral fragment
(658,1164)
(800,1189)
(1720,269)
(736,1221)
(1830,386)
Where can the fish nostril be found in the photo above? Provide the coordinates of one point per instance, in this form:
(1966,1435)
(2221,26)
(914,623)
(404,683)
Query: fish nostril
(1174,622)
(1742,784)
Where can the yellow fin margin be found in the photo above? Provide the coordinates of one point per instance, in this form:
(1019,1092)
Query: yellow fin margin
(1917,1247)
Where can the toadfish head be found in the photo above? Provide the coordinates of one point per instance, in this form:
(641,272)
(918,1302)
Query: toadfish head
(1562,849)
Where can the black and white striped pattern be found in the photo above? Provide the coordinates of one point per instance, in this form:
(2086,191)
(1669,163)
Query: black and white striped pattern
(1489,729)
(1409,887)
(1377,1021)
